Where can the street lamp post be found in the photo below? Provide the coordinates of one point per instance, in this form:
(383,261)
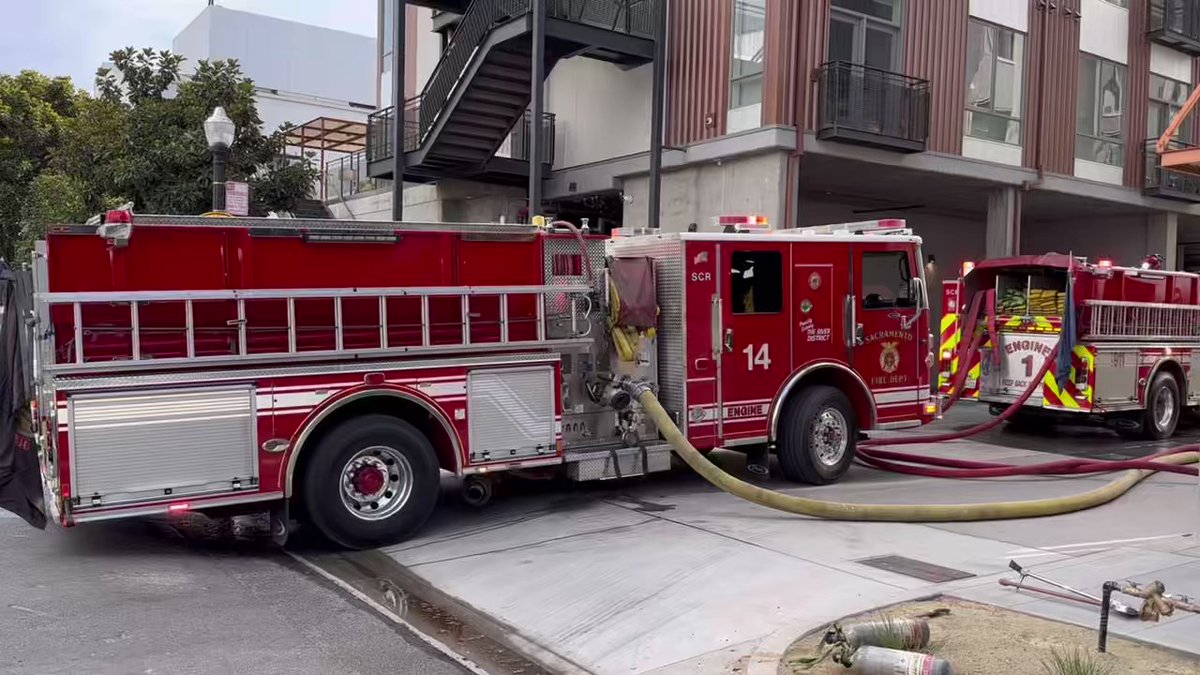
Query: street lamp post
(219,131)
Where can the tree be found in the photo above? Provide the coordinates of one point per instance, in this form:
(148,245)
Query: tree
(33,108)
(65,155)
(166,165)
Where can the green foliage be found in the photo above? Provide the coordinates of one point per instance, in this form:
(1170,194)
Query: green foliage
(1076,662)
(65,155)
(32,110)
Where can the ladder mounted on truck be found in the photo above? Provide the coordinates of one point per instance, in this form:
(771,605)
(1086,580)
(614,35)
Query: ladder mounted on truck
(110,330)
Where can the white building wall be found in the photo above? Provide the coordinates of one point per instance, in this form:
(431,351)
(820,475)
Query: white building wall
(603,111)
(284,55)
(1008,13)
(278,108)
(1170,63)
(1104,30)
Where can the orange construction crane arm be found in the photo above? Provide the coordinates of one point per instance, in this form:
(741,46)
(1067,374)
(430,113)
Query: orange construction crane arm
(1164,141)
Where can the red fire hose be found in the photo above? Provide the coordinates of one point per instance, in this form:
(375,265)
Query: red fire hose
(917,465)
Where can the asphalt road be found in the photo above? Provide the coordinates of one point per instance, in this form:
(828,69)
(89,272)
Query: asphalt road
(144,597)
(201,597)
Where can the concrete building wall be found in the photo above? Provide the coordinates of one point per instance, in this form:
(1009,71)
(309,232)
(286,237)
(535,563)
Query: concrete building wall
(602,111)
(751,185)
(1123,239)
(445,202)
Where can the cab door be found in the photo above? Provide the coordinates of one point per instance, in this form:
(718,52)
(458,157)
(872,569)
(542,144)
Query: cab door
(889,342)
(755,332)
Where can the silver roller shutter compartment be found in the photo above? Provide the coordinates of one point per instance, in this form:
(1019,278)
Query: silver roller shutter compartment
(511,413)
(147,446)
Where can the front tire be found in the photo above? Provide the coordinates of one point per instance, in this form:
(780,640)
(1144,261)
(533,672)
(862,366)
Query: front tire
(372,481)
(818,437)
(1163,406)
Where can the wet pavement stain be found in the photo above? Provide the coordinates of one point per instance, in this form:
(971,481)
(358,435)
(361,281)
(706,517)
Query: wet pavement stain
(388,583)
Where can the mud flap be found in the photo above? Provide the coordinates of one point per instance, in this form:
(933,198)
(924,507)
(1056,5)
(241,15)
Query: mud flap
(20,474)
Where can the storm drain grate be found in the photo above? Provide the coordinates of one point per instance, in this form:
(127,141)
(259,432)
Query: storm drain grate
(915,568)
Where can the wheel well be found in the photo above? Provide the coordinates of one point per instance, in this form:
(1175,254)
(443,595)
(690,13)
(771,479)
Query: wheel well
(833,376)
(1172,367)
(394,405)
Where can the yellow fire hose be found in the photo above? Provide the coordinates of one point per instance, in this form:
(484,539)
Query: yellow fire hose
(889,512)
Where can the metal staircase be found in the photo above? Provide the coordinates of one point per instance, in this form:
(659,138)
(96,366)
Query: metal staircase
(479,93)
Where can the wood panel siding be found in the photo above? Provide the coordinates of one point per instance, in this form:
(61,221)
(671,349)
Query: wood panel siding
(782,69)
(1137,100)
(812,50)
(700,51)
(1053,84)
(935,49)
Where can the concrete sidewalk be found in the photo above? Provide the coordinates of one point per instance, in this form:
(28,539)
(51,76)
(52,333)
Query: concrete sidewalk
(669,575)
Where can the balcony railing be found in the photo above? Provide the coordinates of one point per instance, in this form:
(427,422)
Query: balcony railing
(1175,23)
(1166,183)
(868,106)
(346,177)
(382,124)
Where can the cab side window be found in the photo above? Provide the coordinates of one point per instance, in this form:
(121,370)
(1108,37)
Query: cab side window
(756,282)
(887,281)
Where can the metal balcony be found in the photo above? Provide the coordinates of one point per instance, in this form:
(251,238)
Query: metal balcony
(1176,24)
(509,163)
(1166,183)
(868,106)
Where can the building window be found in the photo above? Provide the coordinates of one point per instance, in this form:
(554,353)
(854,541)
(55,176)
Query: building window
(887,281)
(995,70)
(756,282)
(1100,115)
(388,29)
(749,24)
(866,32)
(1118,3)
(1167,97)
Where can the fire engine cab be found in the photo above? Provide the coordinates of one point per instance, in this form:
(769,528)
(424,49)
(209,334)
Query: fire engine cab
(1131,338)
(338,368)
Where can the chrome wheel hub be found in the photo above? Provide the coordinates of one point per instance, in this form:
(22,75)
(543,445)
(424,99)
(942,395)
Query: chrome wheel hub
(376,482)
(1164,409)
(830,436)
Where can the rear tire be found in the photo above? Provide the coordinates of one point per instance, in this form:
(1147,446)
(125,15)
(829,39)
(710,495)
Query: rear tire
(818,436)
(372,481)
(1163,406)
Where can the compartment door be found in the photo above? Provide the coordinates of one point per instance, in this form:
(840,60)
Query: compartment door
(146,446)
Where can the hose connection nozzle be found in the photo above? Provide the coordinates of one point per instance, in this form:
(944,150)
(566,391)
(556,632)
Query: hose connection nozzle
(634,388)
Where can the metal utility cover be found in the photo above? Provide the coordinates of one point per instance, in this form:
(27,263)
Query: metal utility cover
(915,568)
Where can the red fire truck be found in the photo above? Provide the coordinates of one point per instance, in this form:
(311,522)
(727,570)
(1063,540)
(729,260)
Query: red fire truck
(338,368)
(1133,336)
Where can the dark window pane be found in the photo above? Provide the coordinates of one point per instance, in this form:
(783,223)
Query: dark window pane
(841,40)
(881,9)
(886,281)
(880,49)
(1085,112)
(756,282)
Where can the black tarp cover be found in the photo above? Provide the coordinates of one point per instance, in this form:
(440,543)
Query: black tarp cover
(20,478)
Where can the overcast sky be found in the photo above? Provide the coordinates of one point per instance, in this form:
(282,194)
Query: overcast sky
(73,37)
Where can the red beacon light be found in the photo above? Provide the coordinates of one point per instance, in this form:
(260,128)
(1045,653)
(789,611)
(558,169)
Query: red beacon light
(744,223)
(1104,263)
(967,266)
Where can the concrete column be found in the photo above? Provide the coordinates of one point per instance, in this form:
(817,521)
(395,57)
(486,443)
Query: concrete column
(1162,237)
(1003,223)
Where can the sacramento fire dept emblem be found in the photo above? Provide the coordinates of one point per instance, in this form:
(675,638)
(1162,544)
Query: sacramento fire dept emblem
(889,358)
